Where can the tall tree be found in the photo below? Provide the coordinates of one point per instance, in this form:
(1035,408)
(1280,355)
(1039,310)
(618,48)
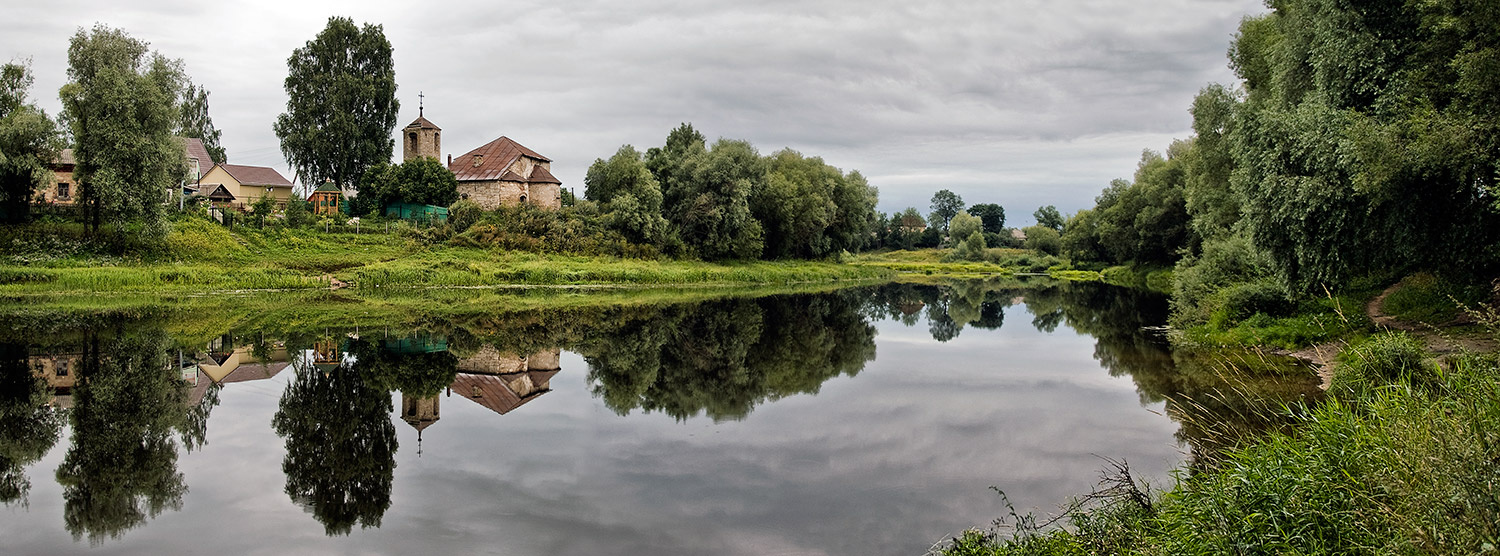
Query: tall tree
(341,103)
(1049,217)
(29,140)
(195,122)
(945,204)
(121,108)
(992,215)
(712,214)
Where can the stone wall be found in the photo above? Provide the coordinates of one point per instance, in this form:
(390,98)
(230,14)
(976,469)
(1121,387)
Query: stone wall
(492,194)
(428,142)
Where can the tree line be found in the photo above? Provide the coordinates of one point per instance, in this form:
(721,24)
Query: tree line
(1360,142)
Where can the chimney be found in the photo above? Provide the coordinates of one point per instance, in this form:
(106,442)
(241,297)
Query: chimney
(450,160)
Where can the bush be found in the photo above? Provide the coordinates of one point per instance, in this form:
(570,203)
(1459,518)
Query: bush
(463,214)
(1238,302)
(1381,360)
(298,215)
(1043,240)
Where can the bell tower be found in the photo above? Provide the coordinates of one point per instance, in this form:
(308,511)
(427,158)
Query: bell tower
(421,137)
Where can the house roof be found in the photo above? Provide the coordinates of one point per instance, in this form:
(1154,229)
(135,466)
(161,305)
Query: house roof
(65,158)
(194,148)
(256,175)
(216,192)
(422,122)
(495,159)
(494,391)
(541,175)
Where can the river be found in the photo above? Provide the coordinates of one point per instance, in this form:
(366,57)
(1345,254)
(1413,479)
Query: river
(864,421)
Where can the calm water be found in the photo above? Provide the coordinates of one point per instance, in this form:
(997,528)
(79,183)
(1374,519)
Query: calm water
(868,421)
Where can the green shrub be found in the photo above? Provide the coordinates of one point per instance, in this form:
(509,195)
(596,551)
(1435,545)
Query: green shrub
(1238,302)
(463,214)
(1381,360)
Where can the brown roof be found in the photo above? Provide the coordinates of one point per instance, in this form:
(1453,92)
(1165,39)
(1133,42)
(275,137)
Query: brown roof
(494,391)
(422,123)
(255,371)
(541,175)
(497,156)
(195,149)
(255,175)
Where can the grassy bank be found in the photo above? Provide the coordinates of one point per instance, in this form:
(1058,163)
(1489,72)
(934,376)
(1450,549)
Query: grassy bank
(995,261)
(1400,460)
(199,256)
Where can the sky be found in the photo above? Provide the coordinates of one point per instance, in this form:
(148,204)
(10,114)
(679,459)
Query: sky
(1022,103)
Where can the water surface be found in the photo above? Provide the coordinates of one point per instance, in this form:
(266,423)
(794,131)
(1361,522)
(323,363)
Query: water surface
(865,421)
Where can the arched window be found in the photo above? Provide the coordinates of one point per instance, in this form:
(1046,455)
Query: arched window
(523,199)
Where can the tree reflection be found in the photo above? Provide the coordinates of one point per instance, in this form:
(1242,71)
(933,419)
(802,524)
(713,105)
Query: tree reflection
(29,426)
(724,358)
(340,446)
(121,468)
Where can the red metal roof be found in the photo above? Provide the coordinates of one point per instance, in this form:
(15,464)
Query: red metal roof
(541,175)
(494,391)
(255,175)
(495,158)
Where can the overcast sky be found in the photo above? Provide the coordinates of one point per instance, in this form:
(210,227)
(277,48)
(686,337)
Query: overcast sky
(1022,103)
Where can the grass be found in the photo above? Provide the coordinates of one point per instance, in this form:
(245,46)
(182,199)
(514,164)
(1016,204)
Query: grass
(1433,300)
(996,261)
(201,256)
(1405,463)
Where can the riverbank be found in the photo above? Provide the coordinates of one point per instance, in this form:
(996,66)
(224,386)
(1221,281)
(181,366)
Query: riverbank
(1399,459)
(200,257)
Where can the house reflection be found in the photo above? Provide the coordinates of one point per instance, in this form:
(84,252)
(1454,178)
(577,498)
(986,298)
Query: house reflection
(60,372)
(497,381)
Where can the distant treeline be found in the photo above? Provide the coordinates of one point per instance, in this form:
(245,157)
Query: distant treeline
(1362,143)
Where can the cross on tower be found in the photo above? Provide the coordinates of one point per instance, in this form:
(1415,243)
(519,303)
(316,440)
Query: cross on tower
(420,98)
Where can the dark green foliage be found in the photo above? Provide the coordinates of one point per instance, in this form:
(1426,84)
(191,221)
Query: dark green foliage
(261,209)
(422,181)
(810,209)
(121,467)
(1359,122)
(992,215)
(120,105)
(340,446)
(945,204)
(463,214)
(29,140)
(31,425)
(341,105)
(194,121)
(1143,222)
(1384,359)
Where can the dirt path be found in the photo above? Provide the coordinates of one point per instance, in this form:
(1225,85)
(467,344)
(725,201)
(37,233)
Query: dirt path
(1322,356)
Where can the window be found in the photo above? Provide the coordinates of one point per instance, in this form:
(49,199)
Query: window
(62,190)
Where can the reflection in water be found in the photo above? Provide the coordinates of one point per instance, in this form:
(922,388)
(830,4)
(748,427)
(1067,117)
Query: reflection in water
(121,467)
(340,445)
(30,423)
(1219,397)
(723,358)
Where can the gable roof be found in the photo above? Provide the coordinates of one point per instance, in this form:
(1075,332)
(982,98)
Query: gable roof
(422,122)
(494,392)
(194,148)
(328,186)
(255,175)
(541,175)
(496,158)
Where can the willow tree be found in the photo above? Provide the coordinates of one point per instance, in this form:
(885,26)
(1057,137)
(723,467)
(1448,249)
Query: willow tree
(195,122)
(341,103)
(121,107)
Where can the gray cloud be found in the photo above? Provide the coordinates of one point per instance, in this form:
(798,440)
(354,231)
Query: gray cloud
(1021,103)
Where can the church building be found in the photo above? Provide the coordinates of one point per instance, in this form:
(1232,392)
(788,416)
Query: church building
(499,173)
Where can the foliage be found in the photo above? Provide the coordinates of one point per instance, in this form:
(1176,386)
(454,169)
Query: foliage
(31,425)
(945,204)
(463,214)
(992,215)
(341,105)
(29,140)
(422,181)
(962,226)
(1049,217)
(1427,298)
(707,193)
(120,106)
(810,209)
(631,195)
(1043,239)
(1142,222)
(299,213)
(194,121)
(261,209)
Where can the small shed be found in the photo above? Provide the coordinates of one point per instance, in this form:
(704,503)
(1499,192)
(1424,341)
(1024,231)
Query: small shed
(326,200)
